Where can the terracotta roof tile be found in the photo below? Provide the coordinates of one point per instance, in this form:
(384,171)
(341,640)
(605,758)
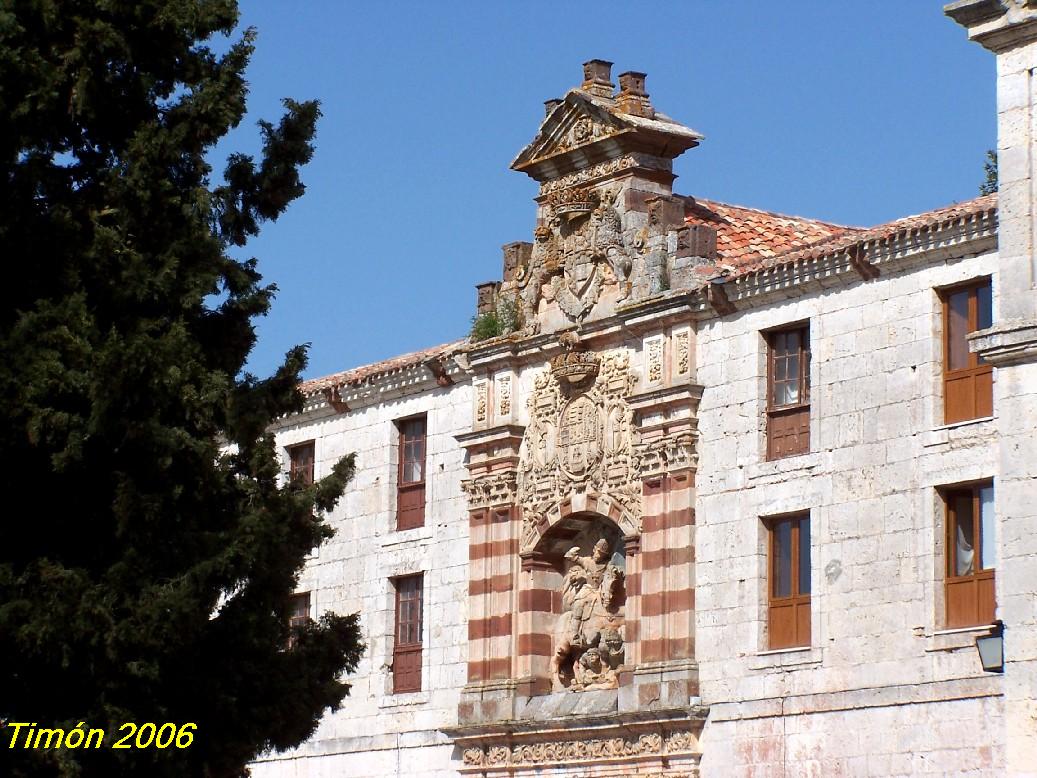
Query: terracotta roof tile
(854,236)
(746,236)
(748,240)
(360,374)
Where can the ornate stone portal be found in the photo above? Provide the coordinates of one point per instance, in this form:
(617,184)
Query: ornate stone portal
(580,440)
(580,648)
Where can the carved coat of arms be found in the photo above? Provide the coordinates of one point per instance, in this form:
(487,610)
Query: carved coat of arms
(578,248)
(580,437)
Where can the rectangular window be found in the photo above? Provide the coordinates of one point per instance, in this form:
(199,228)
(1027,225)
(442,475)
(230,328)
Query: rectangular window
(301,463)
(410,492)
(788,607)
(788,392)
(406,654)
(967,379)
(298,615)
(971,555)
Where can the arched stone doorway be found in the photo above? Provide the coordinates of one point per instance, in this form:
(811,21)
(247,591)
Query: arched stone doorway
(576,579)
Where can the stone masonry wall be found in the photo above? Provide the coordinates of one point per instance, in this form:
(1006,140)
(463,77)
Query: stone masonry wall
(878,453)
(377,733)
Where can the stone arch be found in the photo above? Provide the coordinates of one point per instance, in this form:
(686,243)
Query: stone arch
(600,504)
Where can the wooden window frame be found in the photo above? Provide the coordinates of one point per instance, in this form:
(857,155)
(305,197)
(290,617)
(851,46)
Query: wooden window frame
(969,600)
(788,614)
(967,391)
(410,495)
(296,623)
(302,474)
(793,413)
(407,656)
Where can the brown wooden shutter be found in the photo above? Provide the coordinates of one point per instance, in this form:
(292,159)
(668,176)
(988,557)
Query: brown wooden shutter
(967,379)
(788,582)
(969,584)
(410,493)
(788,392)
(406,660)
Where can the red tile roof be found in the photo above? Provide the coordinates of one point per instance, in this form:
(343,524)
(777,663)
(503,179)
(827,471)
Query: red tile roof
(854,236)
(745,236)
(360,374)
(748,240)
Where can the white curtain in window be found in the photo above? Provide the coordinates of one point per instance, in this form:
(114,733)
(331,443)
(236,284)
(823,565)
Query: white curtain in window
(965,554)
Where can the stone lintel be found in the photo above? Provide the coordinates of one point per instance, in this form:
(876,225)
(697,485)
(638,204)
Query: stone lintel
(1011,342)
(666,397)
(503,432)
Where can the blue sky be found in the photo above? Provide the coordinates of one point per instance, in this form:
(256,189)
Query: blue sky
(856,113)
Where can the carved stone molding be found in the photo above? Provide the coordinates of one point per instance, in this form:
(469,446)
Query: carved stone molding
(581,751)
(673,452)
(489,490)
(580,441)
(579,247)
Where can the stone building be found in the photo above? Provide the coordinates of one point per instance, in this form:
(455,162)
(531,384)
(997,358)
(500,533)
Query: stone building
(737,496)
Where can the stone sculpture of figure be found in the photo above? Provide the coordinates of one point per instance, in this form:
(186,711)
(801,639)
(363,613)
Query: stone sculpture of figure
(613,652)
(542,263)
(591,672)
(607,241)
(591,594)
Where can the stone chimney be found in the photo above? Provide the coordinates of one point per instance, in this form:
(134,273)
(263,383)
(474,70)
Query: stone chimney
(486,297)
(516,255)
(597,78)
(632,98)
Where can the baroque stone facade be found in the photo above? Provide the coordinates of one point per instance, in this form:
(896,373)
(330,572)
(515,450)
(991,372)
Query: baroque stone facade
(599,575)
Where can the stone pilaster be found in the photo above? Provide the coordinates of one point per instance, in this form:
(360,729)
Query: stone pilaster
(1009,29)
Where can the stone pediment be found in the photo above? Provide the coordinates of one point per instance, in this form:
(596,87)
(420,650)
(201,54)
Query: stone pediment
(584,129)
(577,122)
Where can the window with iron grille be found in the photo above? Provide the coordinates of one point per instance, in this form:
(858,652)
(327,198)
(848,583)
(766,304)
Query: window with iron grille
(406,659)
(788,392)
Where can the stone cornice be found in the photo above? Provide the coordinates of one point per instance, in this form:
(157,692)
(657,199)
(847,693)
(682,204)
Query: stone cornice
(894,252)
(391,384)
(1011,342)
(996,25)
(587,725)
(897,252)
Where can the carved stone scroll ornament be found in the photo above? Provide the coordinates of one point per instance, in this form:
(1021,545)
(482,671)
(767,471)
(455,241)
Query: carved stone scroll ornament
(488,490)
(580,440)
(673,452)
(584,750)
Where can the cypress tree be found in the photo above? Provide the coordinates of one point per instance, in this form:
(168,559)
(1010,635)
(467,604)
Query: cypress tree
(150,545)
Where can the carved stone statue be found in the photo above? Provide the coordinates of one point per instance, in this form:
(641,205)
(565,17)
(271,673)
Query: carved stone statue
(592,673)
(588,641)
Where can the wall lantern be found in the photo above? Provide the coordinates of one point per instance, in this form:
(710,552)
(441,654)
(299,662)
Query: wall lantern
(991,649)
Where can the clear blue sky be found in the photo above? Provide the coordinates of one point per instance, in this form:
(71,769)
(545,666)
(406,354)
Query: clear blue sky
(853,112)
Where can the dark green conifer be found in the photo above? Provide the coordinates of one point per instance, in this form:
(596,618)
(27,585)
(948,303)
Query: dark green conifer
(148,552)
